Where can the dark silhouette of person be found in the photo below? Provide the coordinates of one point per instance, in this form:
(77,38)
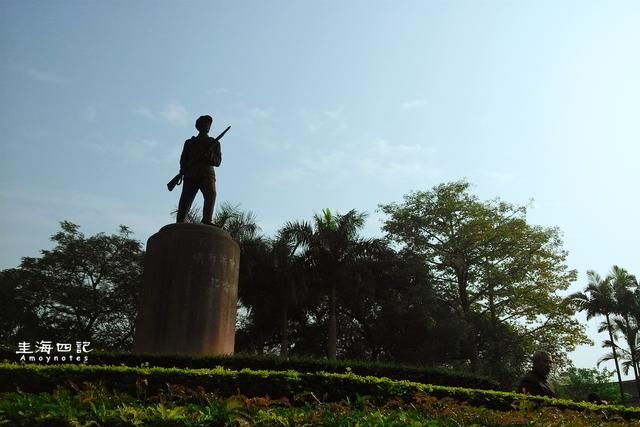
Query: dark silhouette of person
(536,381)
(595,398)
(199,156)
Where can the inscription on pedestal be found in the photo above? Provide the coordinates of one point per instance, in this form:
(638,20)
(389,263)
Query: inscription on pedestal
(189,295)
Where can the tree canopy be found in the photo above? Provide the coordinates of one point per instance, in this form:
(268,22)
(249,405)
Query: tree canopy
(85,288)
(500,275)
(456,282)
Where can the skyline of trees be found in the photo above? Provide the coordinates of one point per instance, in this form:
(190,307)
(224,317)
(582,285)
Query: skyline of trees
(456,282)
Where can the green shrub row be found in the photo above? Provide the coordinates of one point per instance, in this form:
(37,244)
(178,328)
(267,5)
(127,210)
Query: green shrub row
(328,387)
(96,407)
(272,363)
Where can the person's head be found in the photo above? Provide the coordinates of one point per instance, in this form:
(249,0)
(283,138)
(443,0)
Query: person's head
(203,123)
(542,363)
(595,398)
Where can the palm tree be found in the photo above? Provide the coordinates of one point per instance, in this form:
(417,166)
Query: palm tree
(626,305)
(287,270)
(240,224)
(331,246)
(598,299)
(626,357)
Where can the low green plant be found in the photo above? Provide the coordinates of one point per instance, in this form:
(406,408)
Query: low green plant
(579,383)
(150,386)
(90,405)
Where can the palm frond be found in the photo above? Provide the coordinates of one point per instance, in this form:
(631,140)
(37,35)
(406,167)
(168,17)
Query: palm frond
(625,361)
(296,232)
(242,225)
(350,223)
(193,215)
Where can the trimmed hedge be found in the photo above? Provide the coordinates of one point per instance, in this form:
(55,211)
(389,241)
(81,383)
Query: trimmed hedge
(272,363)
(332,387)
(182,407)
(94,407)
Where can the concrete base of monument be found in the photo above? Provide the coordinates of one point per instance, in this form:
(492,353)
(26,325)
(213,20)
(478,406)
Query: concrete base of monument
(189,292)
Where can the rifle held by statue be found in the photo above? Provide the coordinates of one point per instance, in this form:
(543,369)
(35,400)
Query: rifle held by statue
(177,180)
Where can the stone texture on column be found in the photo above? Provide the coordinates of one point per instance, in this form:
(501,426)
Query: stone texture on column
(189,292)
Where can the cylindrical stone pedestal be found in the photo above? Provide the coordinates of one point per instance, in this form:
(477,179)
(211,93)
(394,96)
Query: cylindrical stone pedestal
(189,292)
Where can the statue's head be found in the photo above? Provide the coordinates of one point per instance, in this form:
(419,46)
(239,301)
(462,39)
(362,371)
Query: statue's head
(203,124)
(542,363)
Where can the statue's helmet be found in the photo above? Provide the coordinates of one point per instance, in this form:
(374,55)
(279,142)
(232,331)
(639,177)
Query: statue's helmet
(204,123)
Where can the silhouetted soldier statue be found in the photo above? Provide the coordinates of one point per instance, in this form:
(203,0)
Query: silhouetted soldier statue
(199,156)
(536,381)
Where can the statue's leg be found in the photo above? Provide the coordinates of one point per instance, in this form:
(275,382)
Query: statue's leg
(189,191)
(208,188)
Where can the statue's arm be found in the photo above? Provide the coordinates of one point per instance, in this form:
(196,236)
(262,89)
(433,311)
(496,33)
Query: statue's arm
(213,154)
(184,157)
(217,153)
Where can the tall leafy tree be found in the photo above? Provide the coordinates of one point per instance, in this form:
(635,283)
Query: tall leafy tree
(20,307)
(85,288)
(392,313)
(499,274)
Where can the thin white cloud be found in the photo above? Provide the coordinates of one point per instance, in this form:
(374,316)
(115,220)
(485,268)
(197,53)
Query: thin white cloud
(413,104)
(148,149)
(379,159)
(311,123)
(44,207)
(292,174)
(496,175)
(325,163)
(46,76)
(335,114)
(151,143)
(384,149)
(321,164)
(394,161)
(328,120)
(91,113)
(176,114)
(144,112)
(260,113)
(219,91)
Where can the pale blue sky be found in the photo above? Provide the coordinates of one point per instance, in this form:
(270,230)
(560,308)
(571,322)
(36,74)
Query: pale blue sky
(333,104)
